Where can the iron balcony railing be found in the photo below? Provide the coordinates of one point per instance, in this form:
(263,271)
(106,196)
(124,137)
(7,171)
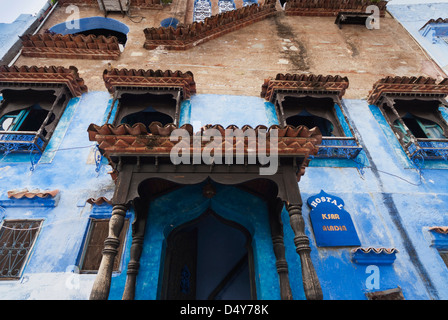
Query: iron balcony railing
(22,141)
(339,148)
(428,149)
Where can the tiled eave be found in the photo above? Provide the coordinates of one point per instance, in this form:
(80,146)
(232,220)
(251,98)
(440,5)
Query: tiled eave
(36,193)
(331,7)
(70,46)
(409,86)
(126,78)
(435,21)
(304,83)
(125,140)
(44,75)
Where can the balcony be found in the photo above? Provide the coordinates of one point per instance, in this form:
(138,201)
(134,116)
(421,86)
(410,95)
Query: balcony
(21,142)
(421,149)
(338,148)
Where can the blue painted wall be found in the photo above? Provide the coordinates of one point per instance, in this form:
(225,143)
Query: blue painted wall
(391,204)
(413,17)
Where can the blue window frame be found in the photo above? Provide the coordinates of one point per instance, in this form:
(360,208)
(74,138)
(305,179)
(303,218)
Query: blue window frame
(13,121)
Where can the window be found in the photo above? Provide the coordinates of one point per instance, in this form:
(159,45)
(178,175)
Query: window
(33,101)
(27,118)
(94,244)
(419,126)
(414,108)
(17,238)
(144,97)
(314,101)
(146,108)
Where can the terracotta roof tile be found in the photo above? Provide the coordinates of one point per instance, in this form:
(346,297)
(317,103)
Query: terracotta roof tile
(297,83)
(24,193)
(24,74)
(435,21)
(99,201)
(376,250)
(407,85)
(291,139)
(183,81)
(443,230)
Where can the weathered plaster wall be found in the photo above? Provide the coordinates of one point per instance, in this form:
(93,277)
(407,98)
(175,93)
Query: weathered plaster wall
(413,17)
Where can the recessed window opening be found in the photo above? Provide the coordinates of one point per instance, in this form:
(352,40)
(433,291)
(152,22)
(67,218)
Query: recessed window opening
(311,112)
(146,108)
(121,37)
(146,117)
(24,110)
(310,121)
(422,118)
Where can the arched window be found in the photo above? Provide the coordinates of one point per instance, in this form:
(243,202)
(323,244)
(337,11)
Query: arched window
(307,119)
(96,26)
(146,117)
(419,127)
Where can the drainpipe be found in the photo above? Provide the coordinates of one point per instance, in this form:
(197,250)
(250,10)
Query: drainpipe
(35,31)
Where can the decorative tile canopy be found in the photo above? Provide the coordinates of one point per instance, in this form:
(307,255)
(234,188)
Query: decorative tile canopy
(44,75)
(439,229)
(410,86)
(432,21)
(331,7)
(99,201)
(375,250)
(24,193)
(70,46)
(303,83)
(137,140)
(150,79)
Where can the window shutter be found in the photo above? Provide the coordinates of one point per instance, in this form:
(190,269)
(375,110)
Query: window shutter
(99,230)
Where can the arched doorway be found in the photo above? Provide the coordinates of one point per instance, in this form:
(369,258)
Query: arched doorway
(209,258)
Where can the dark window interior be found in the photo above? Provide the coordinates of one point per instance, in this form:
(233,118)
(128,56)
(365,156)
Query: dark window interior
(121,37)
(146,117)
(146,108)
(311,112)
(34,119)
(310,121)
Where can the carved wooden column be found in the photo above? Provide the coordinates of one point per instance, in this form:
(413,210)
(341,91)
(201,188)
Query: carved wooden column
(101,286)
(311,283)
(276,224)
(138,235)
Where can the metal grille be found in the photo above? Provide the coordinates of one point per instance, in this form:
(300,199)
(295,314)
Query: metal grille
(16,241)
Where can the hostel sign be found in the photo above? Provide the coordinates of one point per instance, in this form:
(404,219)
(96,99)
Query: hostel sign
(332,225)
